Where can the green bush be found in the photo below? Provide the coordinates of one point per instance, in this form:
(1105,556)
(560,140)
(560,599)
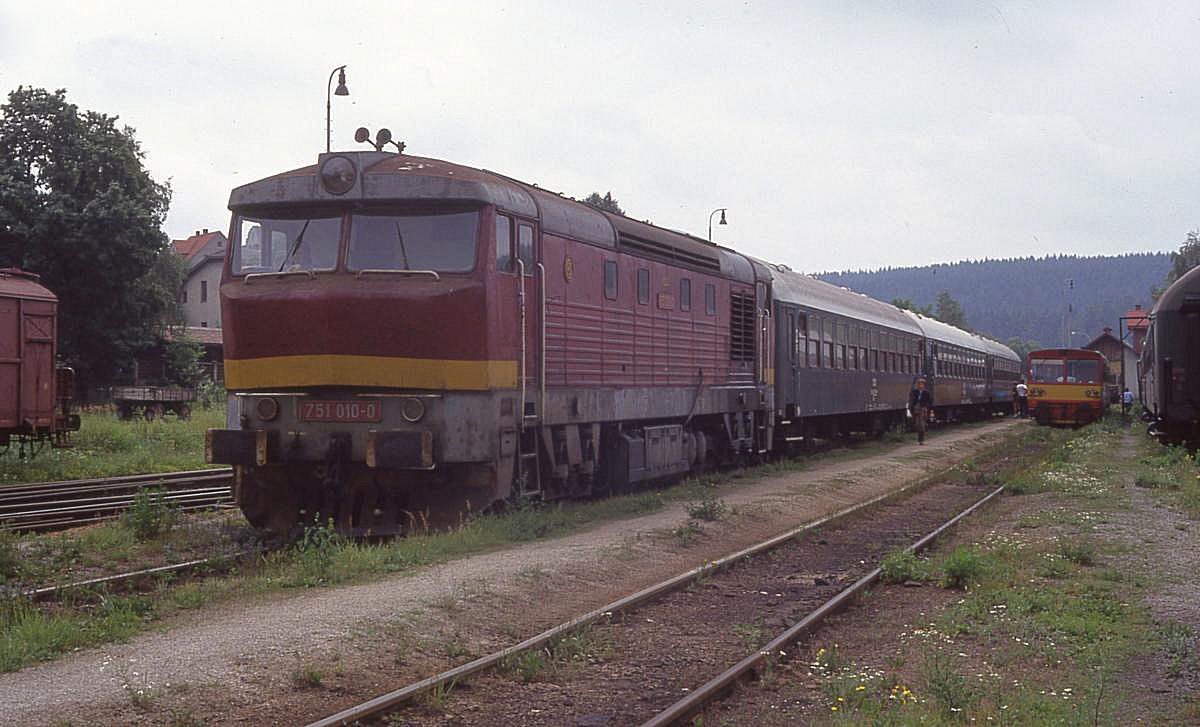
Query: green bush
(150,515)
(961,567)
(901,566)
(708,508)
(313,554)
(1079,551)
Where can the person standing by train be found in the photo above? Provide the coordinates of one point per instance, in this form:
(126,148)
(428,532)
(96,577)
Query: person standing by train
(920,402)
(1126,401)
(1022,399)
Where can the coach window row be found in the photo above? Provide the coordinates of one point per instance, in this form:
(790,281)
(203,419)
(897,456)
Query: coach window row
(644,288)
(957,363)
(824,342)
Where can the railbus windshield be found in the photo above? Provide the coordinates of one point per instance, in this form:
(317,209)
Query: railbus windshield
(1046,371)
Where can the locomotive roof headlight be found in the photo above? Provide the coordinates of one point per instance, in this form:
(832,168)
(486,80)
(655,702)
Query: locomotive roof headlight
(267,408)
(412,410)
(338,175)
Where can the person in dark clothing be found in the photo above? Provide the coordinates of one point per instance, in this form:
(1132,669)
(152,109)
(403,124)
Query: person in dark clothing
(920,401)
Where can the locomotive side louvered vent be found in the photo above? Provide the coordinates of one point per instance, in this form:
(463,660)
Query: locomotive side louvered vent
(669,253)
(741,327)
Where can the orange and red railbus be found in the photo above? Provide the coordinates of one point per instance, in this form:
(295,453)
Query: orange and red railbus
(1066,385)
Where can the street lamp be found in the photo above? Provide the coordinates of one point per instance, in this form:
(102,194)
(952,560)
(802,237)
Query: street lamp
(341,91)
(710,216)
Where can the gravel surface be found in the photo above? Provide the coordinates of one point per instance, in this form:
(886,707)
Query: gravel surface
(245,662)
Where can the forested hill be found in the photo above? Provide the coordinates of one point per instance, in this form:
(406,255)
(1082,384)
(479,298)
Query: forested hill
(1025,297)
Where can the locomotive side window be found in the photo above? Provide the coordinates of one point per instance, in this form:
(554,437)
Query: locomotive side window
(266,245)
(710,299)
(610,279)
(685,294)
(441,242)
(525,247)
(504,247)
(643,276)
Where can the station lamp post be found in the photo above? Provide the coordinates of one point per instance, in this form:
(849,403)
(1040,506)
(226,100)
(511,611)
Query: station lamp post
(341,91)
(710,216)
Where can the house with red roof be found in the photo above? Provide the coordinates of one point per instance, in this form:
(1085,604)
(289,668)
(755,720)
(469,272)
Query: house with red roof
(205,256)
(1137,322)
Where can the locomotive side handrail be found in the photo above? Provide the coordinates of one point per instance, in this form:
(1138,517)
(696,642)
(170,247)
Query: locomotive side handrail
(389,271)
(521,304)
(542,324)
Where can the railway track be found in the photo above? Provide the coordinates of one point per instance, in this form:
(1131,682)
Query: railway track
(686,636)
(56,505)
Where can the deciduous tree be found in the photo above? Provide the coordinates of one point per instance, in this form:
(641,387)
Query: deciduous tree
(606,203)
(78,207)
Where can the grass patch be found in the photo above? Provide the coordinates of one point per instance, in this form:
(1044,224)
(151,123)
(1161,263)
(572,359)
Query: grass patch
(150,515)
(902,566)
(961,567)
(105,446)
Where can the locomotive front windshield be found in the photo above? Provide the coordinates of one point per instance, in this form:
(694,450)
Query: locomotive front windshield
(441,242)
(273,245)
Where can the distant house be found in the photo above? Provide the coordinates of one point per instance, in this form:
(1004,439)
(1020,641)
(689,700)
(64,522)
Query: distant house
(205,255)
(1137,320)
(1119,353)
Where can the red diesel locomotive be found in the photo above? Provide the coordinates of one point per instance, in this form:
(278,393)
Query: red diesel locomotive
(407,339)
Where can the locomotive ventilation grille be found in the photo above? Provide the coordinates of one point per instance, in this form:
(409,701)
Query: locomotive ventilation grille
(741,327)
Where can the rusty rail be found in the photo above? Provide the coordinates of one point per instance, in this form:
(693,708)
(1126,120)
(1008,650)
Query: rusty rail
(385,702)
(54,505)
(714,687)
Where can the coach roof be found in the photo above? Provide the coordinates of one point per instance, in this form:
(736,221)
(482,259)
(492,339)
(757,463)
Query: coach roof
(804,290)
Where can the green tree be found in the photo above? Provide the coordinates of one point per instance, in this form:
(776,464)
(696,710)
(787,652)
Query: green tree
(1022,347)
(78,208)
(906,304)
(606,203)
(949,311)
(182,357)
(1187,258)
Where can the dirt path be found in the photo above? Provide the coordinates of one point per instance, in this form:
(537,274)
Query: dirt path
(290,657)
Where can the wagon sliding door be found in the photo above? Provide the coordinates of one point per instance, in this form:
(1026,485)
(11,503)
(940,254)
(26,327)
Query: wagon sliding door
(10,363)
(37,373)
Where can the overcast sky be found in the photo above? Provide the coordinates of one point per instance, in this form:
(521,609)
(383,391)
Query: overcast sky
(839,135)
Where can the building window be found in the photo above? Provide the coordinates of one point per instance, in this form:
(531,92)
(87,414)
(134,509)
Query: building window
(504,251)
(183,296)
(685,294)
(710,299)
(203,291)
(610,279)
(204,324)
(643,286)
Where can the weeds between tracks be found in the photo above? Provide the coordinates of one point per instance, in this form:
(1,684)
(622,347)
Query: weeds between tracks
(1054,623)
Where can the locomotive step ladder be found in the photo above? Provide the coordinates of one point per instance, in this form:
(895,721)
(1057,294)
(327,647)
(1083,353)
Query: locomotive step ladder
(529,468)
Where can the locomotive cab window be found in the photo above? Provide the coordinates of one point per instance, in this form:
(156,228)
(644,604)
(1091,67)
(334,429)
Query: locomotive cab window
(283,243)
(441,242)
(525,247)
(643,282)
(504,246)
(685,294)
(610,279)
(710,299)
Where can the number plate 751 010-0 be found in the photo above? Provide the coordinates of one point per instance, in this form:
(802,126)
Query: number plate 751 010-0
(358,410)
